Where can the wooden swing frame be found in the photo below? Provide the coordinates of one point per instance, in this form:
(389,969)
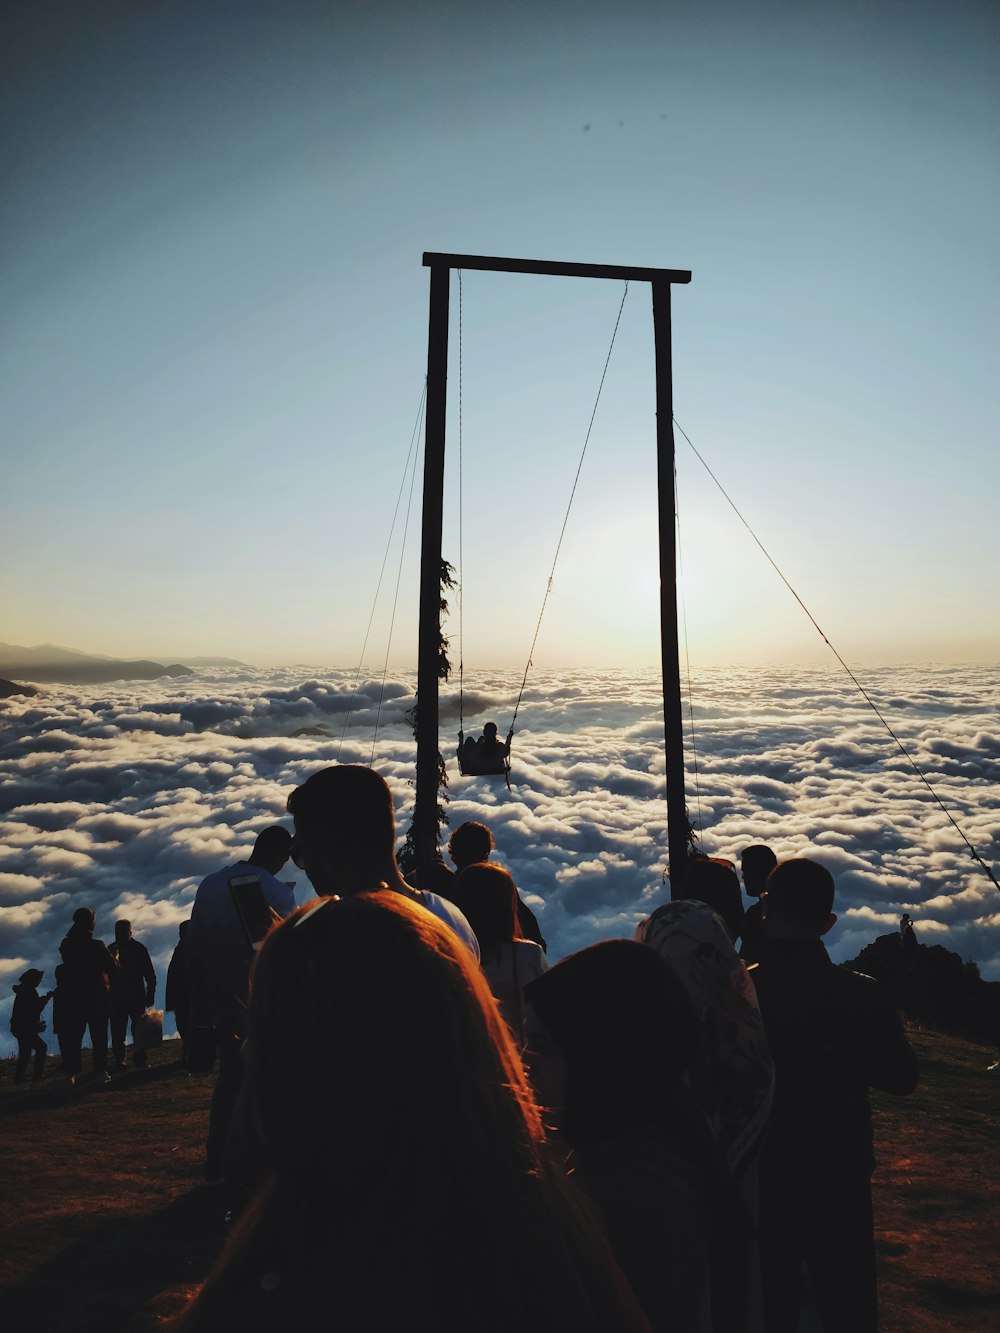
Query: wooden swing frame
(425,823)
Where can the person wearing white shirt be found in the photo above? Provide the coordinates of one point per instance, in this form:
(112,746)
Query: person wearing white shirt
(221,958)
(345,841)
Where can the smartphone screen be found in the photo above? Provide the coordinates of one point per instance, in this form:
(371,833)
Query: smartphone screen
(252,906)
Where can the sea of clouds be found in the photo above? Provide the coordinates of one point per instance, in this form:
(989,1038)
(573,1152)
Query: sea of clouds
(124,797)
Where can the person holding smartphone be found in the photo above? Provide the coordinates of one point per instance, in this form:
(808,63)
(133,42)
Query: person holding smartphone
(221,957)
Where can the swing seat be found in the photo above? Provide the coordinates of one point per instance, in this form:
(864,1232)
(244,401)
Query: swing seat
(470,768)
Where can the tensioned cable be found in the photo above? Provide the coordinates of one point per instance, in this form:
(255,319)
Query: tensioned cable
(867,697)
(461,509)
(687,655)
(395,601)
(388,544)
(562,532)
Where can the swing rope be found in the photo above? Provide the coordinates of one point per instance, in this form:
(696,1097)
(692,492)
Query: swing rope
(399,576)
(385,558)
(861,689)
(562,533)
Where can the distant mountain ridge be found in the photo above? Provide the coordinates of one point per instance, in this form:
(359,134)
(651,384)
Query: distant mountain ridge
(184,660)
(48,662)
(9,688)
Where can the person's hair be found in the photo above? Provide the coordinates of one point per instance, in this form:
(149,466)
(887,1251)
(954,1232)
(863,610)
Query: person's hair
(85,916)
(490,726)
(714,882)
(757,862)
(347,801)
(409,1178)
(800,891)
(123,925)
(272,841)
(487,895)
(628,1032)
(470,842)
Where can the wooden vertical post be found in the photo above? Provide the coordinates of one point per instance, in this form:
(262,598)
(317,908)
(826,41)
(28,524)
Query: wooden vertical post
(677,820)
(425,826)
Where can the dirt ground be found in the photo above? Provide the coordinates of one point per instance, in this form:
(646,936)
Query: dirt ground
(107,1226)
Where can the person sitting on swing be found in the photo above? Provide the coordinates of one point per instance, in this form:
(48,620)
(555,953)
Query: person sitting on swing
(488,754)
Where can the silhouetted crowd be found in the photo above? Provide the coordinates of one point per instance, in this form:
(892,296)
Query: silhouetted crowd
(97,989)
(417,1121)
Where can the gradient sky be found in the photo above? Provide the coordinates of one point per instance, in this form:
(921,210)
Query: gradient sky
(214,322)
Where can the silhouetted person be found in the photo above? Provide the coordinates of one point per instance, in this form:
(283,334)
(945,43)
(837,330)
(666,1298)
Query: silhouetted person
(732,1082)
(466,753)
(713,881)
(178,994)
(220,971)
(133,988)
(491,751)
(472,842)
(488,898)
(469,843)
(624,1036)
(432,873)
(756,863)
(834,1034)
(345,840)
(908,935)
(486,756)
(63,1023)
(26,1025)
(409,1182)
(86,1003)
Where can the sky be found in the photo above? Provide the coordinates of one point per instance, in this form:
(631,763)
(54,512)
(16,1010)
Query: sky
(123,797)
(214,322)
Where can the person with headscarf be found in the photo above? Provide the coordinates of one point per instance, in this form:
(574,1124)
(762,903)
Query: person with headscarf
(731,1079)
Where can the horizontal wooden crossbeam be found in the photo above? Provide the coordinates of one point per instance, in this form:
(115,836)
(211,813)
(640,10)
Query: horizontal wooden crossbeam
(623,272)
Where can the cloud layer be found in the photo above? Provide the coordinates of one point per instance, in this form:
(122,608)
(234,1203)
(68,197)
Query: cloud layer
(124,797)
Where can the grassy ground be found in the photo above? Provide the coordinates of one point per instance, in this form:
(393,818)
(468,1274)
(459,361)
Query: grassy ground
(106,1225)
(937,1193)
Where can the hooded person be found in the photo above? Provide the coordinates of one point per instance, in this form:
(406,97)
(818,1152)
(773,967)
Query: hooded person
(612,1037)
